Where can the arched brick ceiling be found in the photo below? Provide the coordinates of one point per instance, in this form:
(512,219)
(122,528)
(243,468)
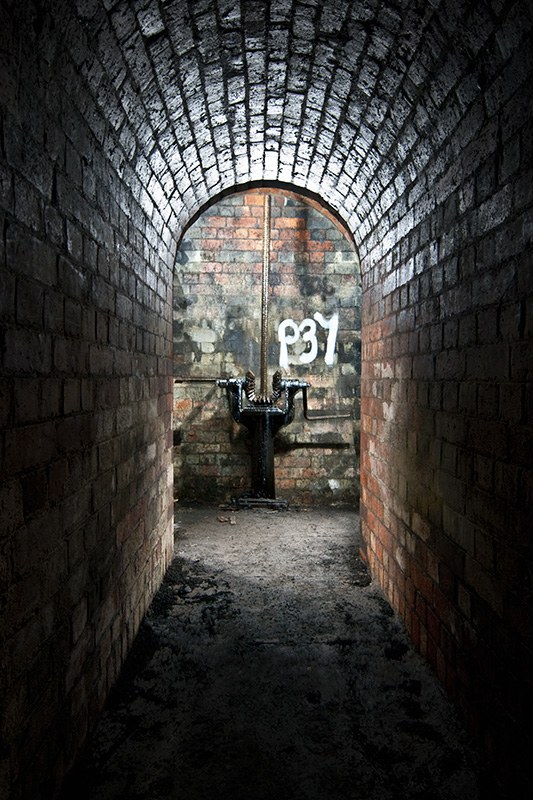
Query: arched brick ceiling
(349,100)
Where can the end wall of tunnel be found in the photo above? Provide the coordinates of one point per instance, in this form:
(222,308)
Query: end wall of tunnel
(314,269)
(120,121)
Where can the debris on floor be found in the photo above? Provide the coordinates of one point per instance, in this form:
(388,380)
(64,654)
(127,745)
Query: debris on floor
(270,665)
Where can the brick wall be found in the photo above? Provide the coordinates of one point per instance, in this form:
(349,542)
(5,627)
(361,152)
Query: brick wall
(120,122)
(85,401)
(446,391)
(217,329)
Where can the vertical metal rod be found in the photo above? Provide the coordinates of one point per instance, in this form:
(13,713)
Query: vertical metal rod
(265,283)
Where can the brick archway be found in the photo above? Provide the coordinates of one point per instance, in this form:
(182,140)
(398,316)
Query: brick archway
(217,294)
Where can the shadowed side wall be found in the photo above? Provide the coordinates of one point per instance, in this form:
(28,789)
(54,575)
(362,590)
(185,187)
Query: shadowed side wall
(85,402)
(447,420)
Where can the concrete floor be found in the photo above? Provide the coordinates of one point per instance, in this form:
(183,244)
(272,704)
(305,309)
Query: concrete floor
(270,666)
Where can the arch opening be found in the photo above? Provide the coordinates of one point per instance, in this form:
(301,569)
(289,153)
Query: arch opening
(314,336)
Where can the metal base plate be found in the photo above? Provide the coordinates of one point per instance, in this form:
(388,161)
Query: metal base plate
(259,502)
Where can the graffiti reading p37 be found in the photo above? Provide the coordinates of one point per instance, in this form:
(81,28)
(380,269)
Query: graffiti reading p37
(307,331)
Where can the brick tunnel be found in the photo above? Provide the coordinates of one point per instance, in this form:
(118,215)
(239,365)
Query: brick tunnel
(121,121)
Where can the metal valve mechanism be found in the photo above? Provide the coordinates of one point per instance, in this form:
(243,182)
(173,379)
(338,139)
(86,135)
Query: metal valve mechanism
(263,418)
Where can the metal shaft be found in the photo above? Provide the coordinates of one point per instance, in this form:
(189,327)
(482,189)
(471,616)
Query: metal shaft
(265,282)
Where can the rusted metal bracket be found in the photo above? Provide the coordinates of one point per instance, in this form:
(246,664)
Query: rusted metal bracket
(195,380)
(314,417)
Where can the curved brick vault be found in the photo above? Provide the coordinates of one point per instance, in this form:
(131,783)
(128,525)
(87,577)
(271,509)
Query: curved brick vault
(349,100)
(120,121)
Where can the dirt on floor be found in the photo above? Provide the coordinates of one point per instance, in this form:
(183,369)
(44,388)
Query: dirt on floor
(270,666)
